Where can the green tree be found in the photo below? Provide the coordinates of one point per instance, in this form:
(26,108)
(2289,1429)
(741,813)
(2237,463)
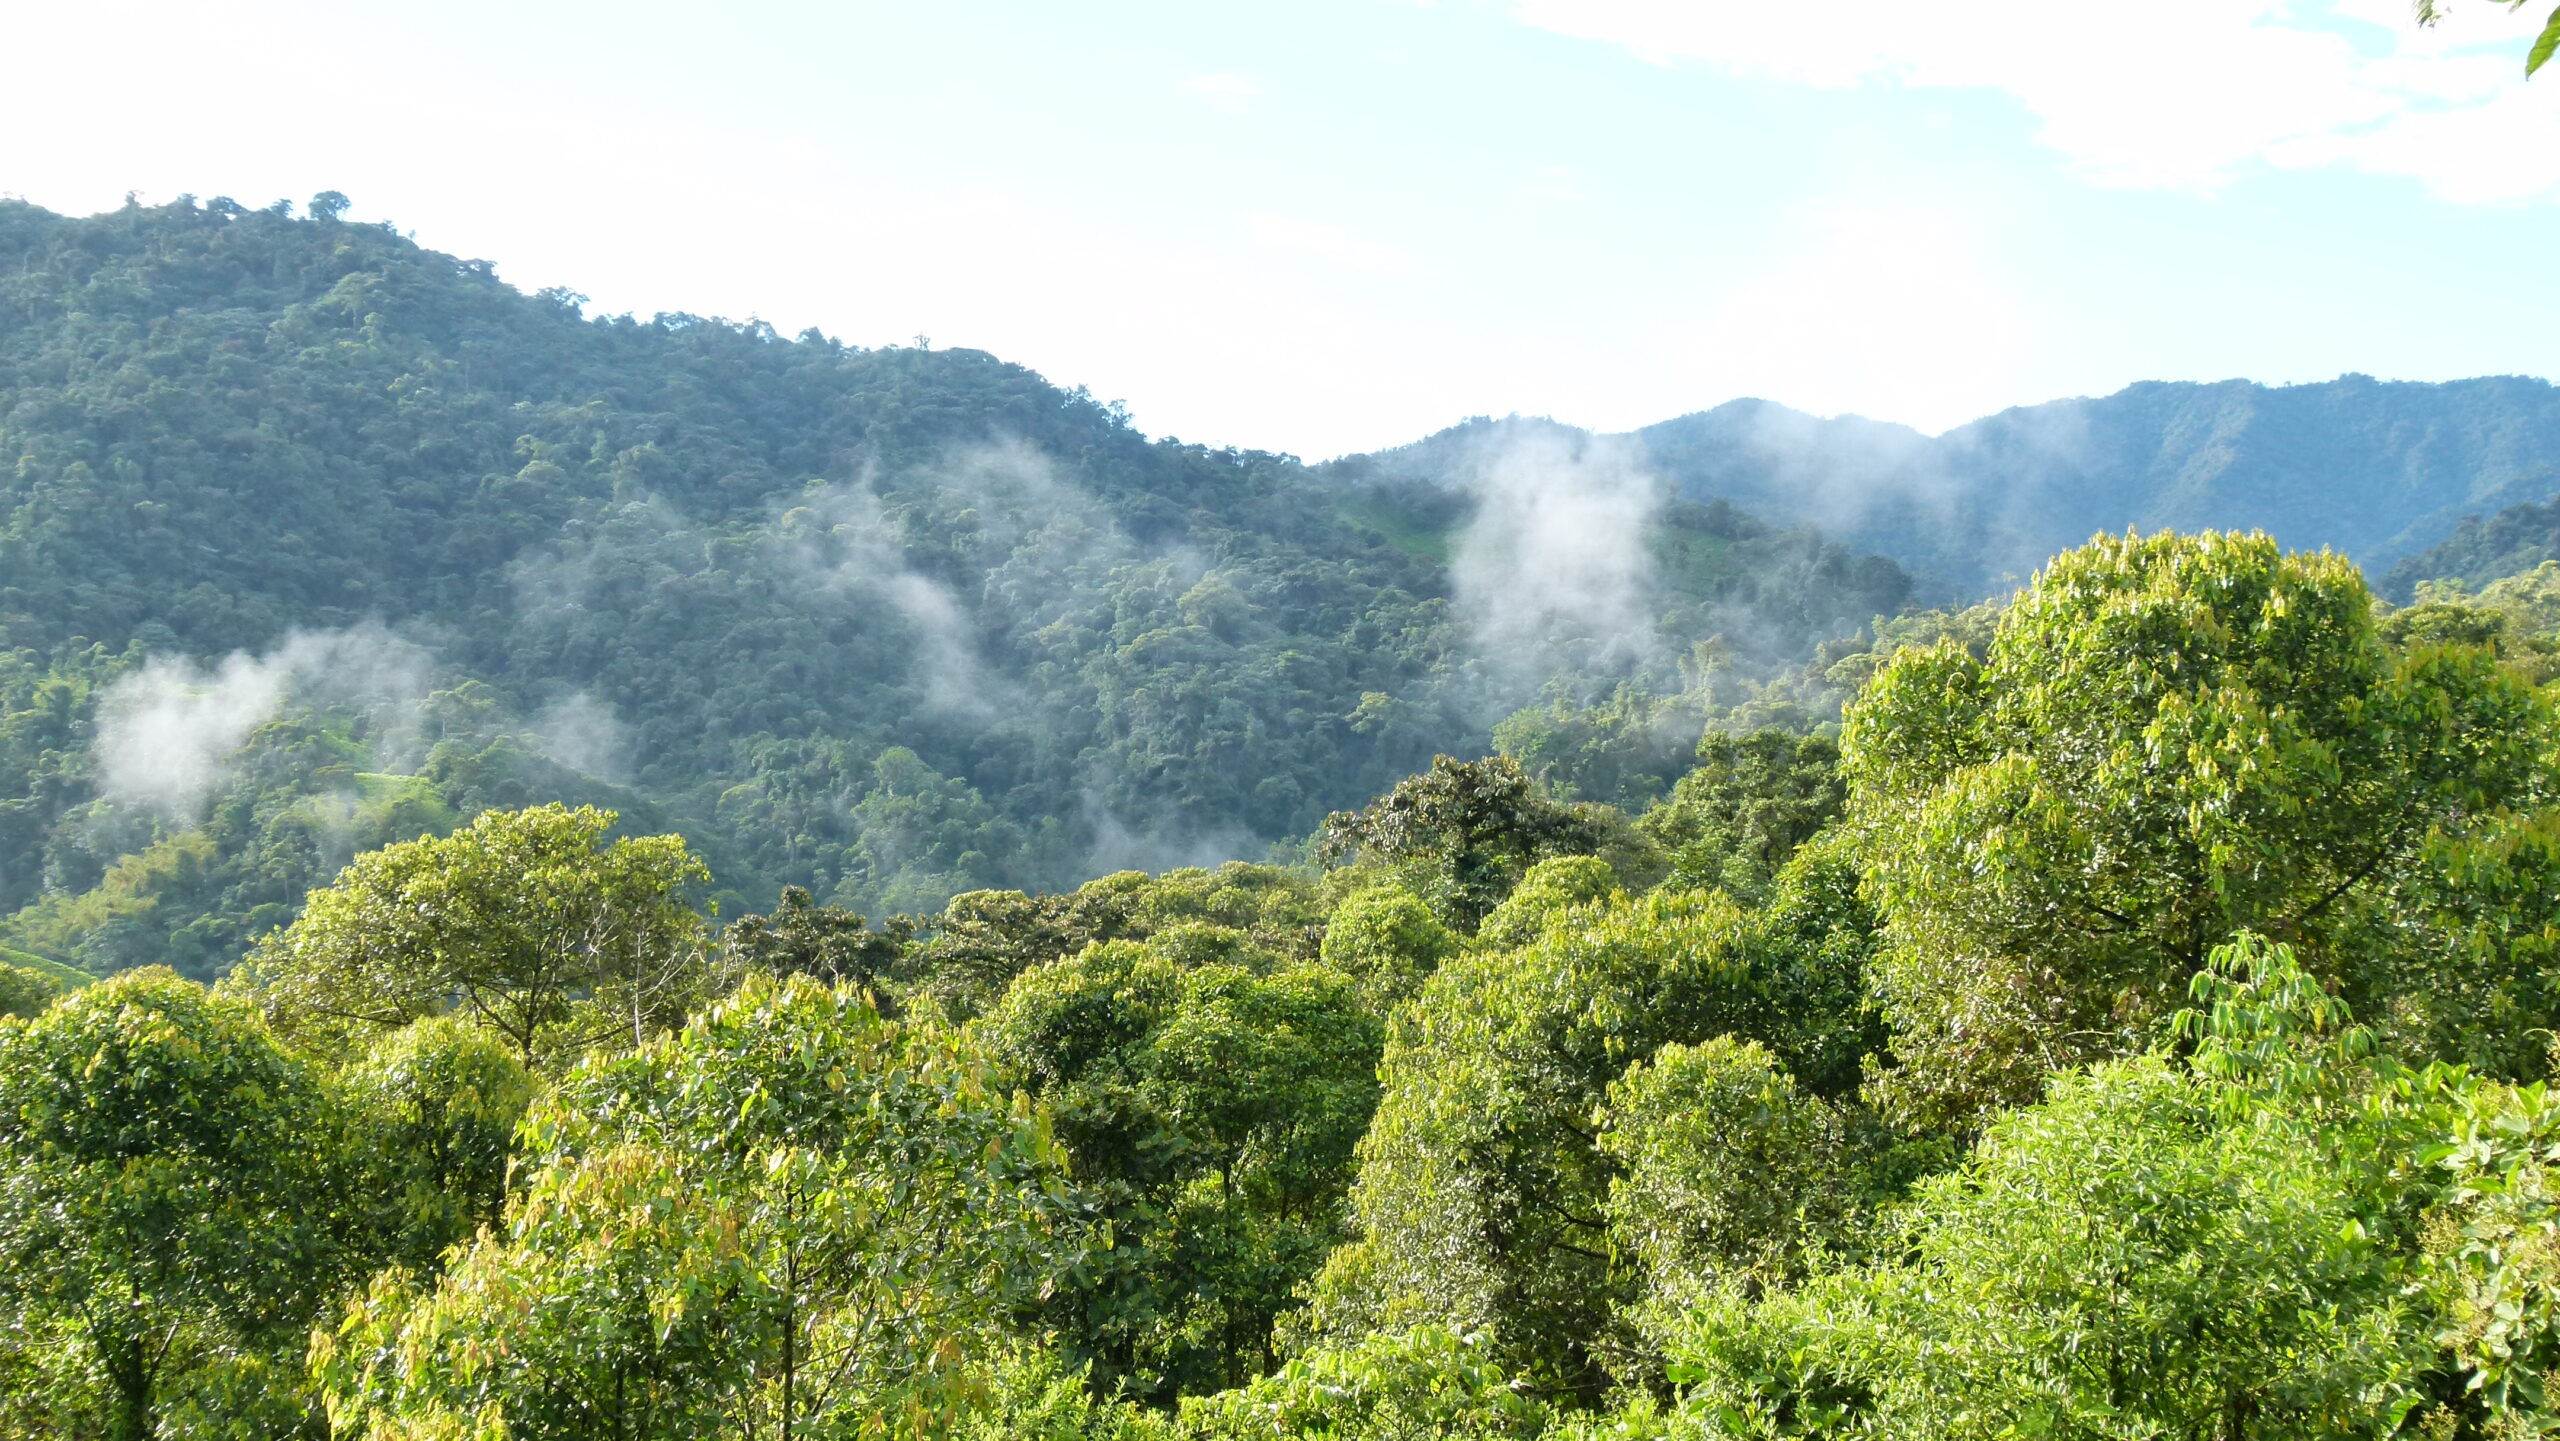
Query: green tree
(174,1197)
(1387,939)
(25,992)
(1751,801)
(1484,1191)
(1426,1384)
(1728,1173)
(1213,1107)
(438,1102)
(522,921)
(794,1218)
(1461,833)
(826,943)
(1032,1396)
(2170,739)
(2227,1248)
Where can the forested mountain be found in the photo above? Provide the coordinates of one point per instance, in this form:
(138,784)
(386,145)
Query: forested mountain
(2374,469)
(312,539)
(2122,1007)
(2482,550)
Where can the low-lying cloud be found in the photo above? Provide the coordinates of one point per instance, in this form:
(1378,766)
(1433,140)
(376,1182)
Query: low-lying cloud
(584,734)
(167,732)
(1556,555)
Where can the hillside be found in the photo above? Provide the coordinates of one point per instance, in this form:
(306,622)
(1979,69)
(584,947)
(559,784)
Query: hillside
(2375,469)
(2481,550)
(311,538)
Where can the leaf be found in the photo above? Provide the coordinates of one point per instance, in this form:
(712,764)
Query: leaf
(2544,44)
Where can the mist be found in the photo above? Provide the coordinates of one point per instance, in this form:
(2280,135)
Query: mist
(841,544)
(167,733)
(584,734)
(1555,558)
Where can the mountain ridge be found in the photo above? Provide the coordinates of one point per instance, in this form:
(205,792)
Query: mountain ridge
(312,538)
(2375,469)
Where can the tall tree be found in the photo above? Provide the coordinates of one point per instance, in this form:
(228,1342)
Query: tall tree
(1484,1193)
(1212,1105)
(2171,739)
(174,1192)
(826,943)
(1462,833)
(1749,803)
(439,1101)
(523,921)
(792,1219)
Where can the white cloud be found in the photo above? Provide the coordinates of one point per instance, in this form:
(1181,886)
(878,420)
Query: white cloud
(586,735)
(1553,559)
(168,731)
(2181,94)
(1898,313)
(1326,242)
(1231,93)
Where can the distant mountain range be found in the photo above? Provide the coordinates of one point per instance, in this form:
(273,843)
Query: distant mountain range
(2376,469)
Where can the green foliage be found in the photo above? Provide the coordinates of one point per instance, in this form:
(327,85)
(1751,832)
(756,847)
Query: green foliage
(2517,616)
(437,1102)
(829,944)
(2496,1249)
(1751,801)
(1546,895)
(175,1210)
(983,939)
(25,992)
(792,1217)
(2170,739)
(2147,1251)
(523,922)
(1484,1189)
(1386,939)
(1461,834)
(1212,1106)
(1728,1172)
(1419,1385)
(1029,1396)
(2116,1261)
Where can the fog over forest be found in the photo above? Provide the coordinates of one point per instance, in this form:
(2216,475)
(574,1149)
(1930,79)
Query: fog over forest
(570,875)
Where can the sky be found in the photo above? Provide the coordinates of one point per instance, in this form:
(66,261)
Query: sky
(1336,225)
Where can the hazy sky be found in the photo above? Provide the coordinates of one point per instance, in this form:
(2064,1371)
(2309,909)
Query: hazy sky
(1331,225)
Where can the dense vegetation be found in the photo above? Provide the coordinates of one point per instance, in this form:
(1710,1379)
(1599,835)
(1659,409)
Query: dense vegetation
(2134,1022)
(312,540)
(2482,550)
(452,747)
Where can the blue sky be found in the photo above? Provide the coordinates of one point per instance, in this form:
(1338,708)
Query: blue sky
(1332,225)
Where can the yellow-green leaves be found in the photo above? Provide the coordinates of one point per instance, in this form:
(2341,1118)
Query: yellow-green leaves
(791,1217)
(174,1206)
(2170,739)
(525,922)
